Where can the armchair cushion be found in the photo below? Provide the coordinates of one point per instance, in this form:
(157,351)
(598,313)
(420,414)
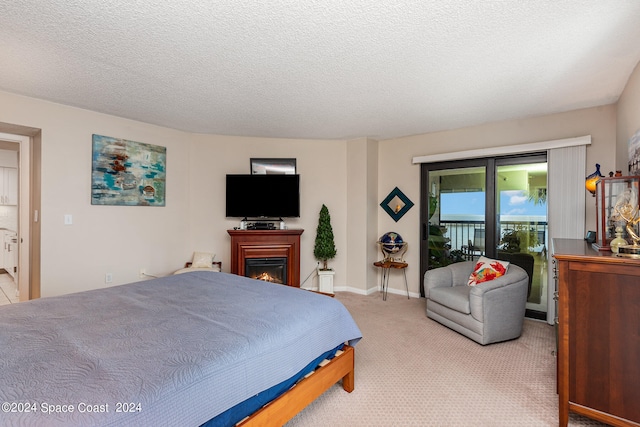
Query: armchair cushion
(455,297)
(453,275)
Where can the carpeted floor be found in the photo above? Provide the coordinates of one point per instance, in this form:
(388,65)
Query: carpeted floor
(412,371)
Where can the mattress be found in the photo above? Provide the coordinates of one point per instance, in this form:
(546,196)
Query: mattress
(171,351)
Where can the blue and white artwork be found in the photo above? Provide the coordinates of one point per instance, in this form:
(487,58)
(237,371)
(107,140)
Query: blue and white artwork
(127,173)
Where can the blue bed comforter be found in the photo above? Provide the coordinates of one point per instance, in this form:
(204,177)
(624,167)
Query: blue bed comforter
(172,351)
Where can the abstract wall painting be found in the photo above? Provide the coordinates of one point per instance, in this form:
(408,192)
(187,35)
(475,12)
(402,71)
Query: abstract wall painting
(127,173)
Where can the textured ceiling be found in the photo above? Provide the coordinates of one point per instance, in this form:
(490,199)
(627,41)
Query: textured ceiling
(320,69)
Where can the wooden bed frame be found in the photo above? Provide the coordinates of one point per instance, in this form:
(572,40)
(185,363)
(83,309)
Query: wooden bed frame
(285,407)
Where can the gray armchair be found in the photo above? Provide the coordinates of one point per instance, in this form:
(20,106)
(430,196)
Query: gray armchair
(489,312)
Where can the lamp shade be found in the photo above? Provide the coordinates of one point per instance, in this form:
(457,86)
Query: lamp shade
(591,180)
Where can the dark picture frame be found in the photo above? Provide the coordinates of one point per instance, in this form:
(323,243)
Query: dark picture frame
(273,166)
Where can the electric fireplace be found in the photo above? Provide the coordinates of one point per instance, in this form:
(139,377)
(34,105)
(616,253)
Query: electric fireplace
(268,269)
(277,253)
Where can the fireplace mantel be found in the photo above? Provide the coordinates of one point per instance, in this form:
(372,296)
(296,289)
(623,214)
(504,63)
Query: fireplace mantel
(266,244)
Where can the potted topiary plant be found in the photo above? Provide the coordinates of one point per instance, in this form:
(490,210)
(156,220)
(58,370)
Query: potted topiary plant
(324,250)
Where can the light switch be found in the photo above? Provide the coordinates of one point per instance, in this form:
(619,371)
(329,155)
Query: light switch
(68,219)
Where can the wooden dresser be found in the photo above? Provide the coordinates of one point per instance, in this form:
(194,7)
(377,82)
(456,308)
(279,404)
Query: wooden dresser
(598,334)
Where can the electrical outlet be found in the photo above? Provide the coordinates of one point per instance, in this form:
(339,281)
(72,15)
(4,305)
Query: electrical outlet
(143,273)
(108,278)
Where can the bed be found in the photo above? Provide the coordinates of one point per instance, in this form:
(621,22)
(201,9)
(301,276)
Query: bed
(181,350)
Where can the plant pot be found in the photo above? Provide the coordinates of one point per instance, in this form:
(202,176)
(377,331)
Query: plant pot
(325,281)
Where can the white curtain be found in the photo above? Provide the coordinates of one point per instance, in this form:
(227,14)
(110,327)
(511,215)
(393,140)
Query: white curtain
(565,202)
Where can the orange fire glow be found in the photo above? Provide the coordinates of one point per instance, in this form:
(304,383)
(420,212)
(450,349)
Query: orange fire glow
(268,278)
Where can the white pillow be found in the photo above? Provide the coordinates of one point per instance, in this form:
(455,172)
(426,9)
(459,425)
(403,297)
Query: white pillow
(202,259)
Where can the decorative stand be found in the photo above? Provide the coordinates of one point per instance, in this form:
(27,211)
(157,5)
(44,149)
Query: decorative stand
(325,281)
(389,262)
(386,269)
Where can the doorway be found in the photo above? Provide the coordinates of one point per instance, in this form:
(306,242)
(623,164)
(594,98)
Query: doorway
(494,207)
(27,142)
(9,206)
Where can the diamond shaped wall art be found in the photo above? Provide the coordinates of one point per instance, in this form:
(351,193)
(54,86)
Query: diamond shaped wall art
(396,204)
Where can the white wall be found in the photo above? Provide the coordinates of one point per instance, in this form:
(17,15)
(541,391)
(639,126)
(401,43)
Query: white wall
(102,239)
(322,168)
(121,240)
(396,168)
(362,214)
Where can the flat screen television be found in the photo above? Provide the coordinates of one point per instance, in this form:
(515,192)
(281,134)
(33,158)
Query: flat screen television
(263,196)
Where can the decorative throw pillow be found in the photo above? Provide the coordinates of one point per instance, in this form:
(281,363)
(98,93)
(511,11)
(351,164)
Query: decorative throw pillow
(202,260)
(487,269)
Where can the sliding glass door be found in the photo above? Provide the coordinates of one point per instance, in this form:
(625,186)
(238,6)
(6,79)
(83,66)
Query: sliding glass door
(457,206)
(521,197)
(454,201)
(494,207)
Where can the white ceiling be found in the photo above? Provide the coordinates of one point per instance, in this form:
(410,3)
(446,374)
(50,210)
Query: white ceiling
(320,69)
